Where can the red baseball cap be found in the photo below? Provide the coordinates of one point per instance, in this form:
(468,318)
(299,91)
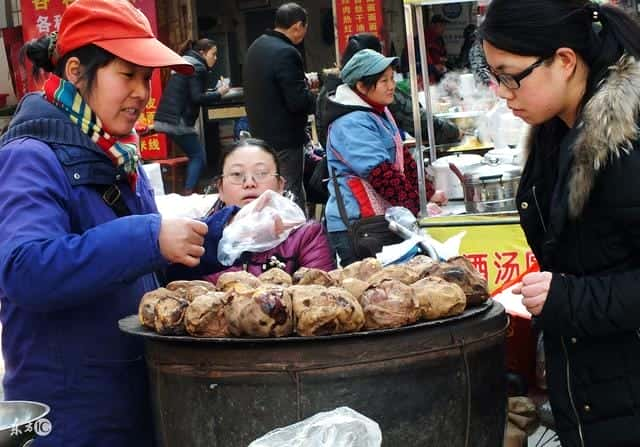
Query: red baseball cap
(119,28)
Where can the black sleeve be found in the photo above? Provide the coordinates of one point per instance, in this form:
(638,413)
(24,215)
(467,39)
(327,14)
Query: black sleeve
(446,131)
(606,302)
(402,111)
(290,77)
(198,89)
(592,305)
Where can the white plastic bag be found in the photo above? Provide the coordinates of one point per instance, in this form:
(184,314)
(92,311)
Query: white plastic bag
(260,226)
(342,427)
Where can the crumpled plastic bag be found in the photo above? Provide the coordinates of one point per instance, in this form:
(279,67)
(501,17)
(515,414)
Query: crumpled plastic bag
(406,226)
(259,226)
(342,427)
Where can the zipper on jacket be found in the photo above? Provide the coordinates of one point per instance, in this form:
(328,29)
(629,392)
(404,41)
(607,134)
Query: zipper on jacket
(535,199)
(573,404)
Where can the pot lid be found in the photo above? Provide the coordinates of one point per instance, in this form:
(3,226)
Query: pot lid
(460,160)
(506,155)
(491,169)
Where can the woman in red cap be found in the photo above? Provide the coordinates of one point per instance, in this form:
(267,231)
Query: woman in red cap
(80,236)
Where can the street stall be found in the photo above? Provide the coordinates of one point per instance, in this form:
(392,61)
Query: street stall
(482,189)
(232,361)
(482,212)
(436,382)
(418,348)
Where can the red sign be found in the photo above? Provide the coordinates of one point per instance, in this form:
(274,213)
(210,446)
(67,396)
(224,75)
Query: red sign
(41,17)
(357,16)
(13,43)
(152,147)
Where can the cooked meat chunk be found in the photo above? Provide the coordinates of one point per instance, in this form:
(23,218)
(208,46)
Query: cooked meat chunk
(439,298)
(205,316)
(237,281)
(276,276)
(362,270)
(307,276)
(459,270)
(169,315)
(398,272)
(147,307)
(389,304)
(263,312)
(325,311)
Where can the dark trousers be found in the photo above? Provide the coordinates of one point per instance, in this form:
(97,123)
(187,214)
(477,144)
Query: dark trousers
(190,144)
(340,242)
(292,169)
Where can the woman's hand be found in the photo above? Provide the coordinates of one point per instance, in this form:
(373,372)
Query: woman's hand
(223,89)
(181,240)
(534,289)
(439,198)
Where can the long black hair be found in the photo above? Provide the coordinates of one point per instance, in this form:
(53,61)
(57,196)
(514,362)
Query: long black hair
(600,34)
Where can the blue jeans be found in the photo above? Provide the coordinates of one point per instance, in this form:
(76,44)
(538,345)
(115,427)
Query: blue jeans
(340,242)
(190,144)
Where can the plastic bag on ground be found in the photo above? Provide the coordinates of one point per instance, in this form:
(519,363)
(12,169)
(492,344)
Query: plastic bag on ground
(260,226)
(342,427)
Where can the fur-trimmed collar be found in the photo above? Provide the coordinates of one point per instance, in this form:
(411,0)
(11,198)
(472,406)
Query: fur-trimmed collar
(607,128)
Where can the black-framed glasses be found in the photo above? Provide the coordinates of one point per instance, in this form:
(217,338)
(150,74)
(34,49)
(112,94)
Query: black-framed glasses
(238,178)
(512,82)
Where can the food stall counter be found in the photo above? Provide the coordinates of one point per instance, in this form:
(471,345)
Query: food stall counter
(231,106)
(493,242)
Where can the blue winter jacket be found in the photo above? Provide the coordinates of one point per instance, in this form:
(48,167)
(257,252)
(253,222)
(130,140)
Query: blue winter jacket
(362,141)
(69,270)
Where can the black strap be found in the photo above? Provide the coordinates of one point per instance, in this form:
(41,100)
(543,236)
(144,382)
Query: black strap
(113,198)
(336,186)
(341,208)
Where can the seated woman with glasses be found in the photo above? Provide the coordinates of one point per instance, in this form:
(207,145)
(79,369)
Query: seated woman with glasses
(249,169)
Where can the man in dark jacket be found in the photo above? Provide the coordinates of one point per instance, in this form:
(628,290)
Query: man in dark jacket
(276,93)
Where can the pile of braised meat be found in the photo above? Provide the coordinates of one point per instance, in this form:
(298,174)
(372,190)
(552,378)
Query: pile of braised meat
(364,295)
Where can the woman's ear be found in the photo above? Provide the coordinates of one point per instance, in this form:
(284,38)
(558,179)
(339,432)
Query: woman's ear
(220,190)
(282,183)
(73,71)
(568,60)
(361,88)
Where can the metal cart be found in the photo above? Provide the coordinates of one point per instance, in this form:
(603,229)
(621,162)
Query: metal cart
(413,8)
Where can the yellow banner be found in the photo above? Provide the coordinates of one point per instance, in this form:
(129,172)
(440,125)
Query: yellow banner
(495,244)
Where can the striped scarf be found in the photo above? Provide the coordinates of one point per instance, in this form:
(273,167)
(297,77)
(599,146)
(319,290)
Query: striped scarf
(123,151)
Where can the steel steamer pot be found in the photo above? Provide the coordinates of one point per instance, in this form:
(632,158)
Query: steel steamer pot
(445,179)
(489,186)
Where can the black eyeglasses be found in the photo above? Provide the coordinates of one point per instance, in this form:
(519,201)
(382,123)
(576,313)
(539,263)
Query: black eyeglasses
(512,82)
(238,178)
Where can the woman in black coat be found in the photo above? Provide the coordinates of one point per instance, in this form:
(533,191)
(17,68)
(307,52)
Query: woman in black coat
(571,70)
(181,102)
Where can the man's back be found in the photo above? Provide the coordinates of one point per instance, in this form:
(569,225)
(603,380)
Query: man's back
(276,95)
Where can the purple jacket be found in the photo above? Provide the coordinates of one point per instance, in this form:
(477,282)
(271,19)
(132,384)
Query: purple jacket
(306,246)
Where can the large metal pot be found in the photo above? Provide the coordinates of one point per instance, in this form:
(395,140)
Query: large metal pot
(446,180)
(489,186)
(21,422)
(434,383)
(507,155)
